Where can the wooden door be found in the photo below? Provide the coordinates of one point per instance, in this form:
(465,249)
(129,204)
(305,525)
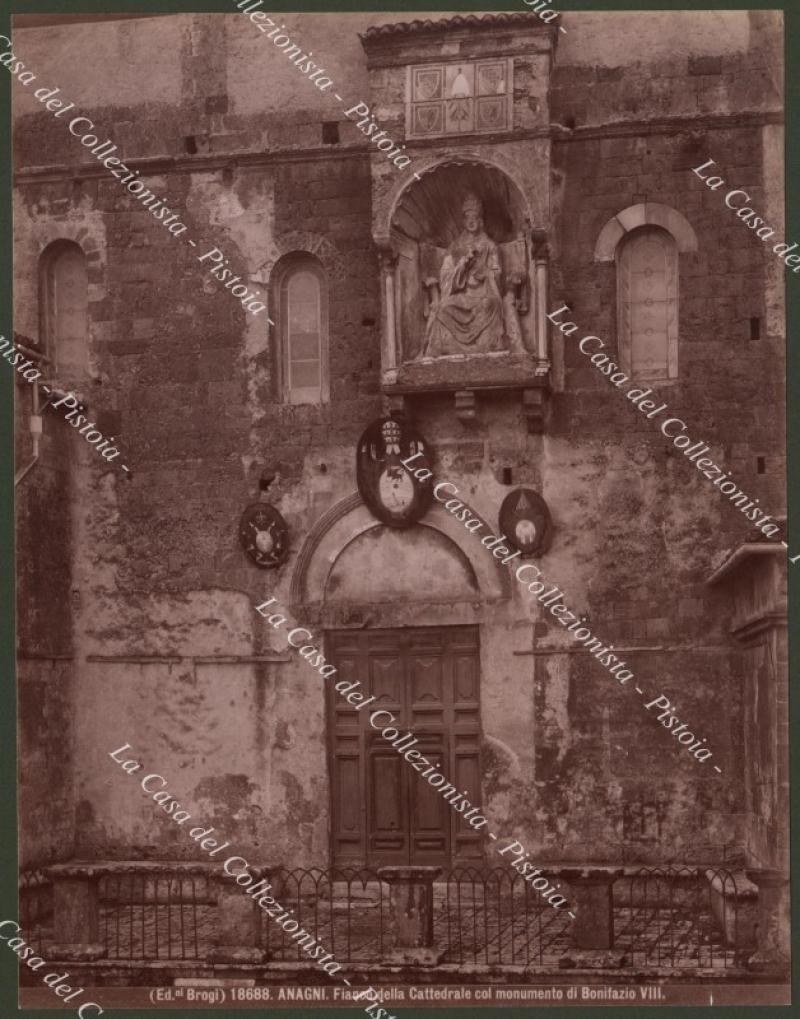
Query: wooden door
(383,811)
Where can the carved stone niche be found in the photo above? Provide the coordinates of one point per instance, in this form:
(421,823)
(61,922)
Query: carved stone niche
(465,284)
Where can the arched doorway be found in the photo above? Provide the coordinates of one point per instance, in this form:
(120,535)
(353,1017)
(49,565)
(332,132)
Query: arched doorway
(402,613)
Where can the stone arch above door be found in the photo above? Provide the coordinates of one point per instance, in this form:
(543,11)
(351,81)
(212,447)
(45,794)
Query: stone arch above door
(471,574)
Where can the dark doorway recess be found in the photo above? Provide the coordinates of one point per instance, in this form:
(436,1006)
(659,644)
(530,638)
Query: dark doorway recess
(382,810)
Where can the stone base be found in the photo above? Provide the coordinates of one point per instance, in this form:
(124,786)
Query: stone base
(466,376)
(74,952)
(766,962)
(592,958)
(414,957)
(735,906)
(234,954)
(500,370)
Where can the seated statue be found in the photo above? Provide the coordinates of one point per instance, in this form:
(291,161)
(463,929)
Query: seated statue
(469,311)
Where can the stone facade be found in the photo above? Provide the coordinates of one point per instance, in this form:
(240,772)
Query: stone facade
(137,620)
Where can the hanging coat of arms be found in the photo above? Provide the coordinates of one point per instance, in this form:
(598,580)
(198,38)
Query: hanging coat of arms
(525,521)
(264,535)
(391,490)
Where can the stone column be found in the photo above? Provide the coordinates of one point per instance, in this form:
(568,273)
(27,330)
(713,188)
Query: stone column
(75,913)
(239,920)
(540,257)
(388,261)
(542,352)
(593,905)
(409,935)
(772,931)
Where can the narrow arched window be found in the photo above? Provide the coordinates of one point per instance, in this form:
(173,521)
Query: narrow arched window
(64,300)
(303,328)
(647,303)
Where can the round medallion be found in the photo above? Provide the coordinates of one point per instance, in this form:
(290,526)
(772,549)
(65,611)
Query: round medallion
(393,472)
(264,535)
(525,521)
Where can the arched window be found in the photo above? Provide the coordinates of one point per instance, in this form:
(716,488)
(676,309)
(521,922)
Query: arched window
(64,298)
(303,330)
(647,304)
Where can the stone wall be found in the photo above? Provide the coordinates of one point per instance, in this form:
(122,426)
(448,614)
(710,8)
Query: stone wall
(44,612)
(172,657)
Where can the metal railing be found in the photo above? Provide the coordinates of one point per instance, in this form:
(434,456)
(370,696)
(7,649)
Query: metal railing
(344,910)
(166,915)
(664,917)
(677,917)
(494,917)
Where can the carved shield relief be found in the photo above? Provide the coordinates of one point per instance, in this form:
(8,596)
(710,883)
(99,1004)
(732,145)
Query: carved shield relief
(391,491)
(458,97)
(264,535)
(525,521)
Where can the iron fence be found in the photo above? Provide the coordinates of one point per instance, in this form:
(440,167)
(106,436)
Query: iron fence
(495,917)
(666,917)
(677,916)
(152,916)
(345,910)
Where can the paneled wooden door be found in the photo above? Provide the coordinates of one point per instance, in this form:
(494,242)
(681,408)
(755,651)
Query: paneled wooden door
(382,810)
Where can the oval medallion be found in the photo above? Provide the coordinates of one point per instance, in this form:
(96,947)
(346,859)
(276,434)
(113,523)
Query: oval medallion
(396,493)
(525,521)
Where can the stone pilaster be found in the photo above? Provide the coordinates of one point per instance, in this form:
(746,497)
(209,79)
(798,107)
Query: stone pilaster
(772,931)
(239,922)
(594,924)
(75,913)
(409,939)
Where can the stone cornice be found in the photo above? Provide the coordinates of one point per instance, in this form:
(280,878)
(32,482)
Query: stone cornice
(752,626)
(460,22)
(244,159)
(735,558)
(48,20)
(202,163)
(668,125)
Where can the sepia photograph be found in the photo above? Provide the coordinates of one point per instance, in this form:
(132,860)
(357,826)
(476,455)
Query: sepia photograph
(400,506)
